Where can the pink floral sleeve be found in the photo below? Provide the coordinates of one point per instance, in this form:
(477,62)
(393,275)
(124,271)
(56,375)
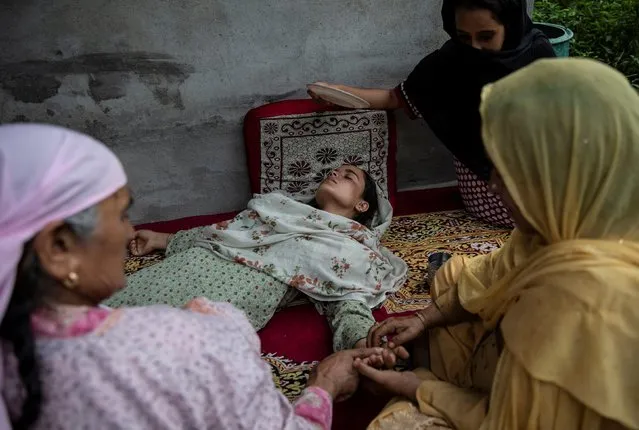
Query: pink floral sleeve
(315,405)
(202,305)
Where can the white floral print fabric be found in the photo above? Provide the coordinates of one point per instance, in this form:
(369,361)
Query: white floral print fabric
(327,257)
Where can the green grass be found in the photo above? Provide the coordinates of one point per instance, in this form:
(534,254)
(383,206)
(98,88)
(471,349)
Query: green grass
(607,30)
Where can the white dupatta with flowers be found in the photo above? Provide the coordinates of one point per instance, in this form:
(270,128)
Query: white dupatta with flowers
(325,256)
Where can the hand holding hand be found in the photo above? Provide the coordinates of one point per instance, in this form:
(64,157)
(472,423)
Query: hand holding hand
(403,329)
(387,359)
(337,375)
(403,384)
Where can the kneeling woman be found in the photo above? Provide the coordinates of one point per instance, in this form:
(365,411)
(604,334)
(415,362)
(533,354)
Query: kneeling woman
(328,249)
(489,39)
(543,333)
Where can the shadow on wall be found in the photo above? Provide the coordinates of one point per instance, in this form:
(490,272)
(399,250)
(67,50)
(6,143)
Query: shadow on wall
(37,81)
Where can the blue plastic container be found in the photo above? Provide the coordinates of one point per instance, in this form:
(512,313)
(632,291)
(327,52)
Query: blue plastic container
(559,36)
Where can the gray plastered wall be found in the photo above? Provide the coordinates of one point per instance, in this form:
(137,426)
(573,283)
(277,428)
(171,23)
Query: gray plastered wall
(166,83)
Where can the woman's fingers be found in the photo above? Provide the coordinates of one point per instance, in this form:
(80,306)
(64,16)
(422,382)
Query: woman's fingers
(370,360)
(133,247)
(140,245)
(405,336)
(401,352)
(316,98)
(402,329)
(372,334)
(319,99)
(370,372)
(390,326)
(374,361)
(364,352)
(388,359)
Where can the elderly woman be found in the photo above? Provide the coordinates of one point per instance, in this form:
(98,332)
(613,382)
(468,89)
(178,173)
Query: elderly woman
(543,333)
(68,363)
(489,39)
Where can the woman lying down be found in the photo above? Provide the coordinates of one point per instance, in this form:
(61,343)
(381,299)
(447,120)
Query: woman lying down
(327,249)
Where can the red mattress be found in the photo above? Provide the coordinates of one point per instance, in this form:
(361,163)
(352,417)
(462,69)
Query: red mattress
(297,337)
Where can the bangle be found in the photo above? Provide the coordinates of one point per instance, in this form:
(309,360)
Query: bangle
(422,318)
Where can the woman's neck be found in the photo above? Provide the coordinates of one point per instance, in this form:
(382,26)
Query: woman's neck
(337,210)
(64,296)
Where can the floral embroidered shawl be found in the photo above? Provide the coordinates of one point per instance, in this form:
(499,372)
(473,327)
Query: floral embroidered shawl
(325,256)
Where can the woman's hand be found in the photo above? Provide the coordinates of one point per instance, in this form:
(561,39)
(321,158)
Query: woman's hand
(337,375)
(147,241)
(319,99)
(403,384)
(402,329)
(387,359)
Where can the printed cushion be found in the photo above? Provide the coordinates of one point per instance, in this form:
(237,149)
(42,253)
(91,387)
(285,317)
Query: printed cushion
(293,144)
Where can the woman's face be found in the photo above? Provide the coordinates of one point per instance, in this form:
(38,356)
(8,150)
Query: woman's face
(98,261)
(343,188)
(479,28)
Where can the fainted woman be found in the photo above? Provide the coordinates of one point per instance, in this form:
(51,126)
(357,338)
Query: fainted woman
(277,248)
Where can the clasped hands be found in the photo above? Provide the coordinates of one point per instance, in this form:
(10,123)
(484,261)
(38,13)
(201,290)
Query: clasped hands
(372,361)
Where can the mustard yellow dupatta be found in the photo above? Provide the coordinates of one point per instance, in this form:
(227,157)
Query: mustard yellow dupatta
(564,135)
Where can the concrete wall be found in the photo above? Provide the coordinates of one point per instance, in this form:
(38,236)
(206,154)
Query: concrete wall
(166,82)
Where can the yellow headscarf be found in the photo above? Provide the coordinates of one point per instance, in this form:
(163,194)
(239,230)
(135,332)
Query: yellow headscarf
(564,135)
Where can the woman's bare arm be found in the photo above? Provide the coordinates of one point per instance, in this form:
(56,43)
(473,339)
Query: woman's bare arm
(450,313)
(381,99)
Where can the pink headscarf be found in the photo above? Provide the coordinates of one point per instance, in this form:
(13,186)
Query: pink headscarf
(47,174)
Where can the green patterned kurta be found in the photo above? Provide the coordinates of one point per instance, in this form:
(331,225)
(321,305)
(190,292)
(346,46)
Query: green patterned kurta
(189,271)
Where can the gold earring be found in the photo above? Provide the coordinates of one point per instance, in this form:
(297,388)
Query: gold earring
(72,281)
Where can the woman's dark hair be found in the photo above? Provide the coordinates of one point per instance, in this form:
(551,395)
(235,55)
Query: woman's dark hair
(512,14)
(369,195)
(16,331)
(31,286)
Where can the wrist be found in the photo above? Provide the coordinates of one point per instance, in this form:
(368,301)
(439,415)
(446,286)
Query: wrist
(360,344)
(411,387)
(420,315)
(163,242)
(432,316)
(323,383)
